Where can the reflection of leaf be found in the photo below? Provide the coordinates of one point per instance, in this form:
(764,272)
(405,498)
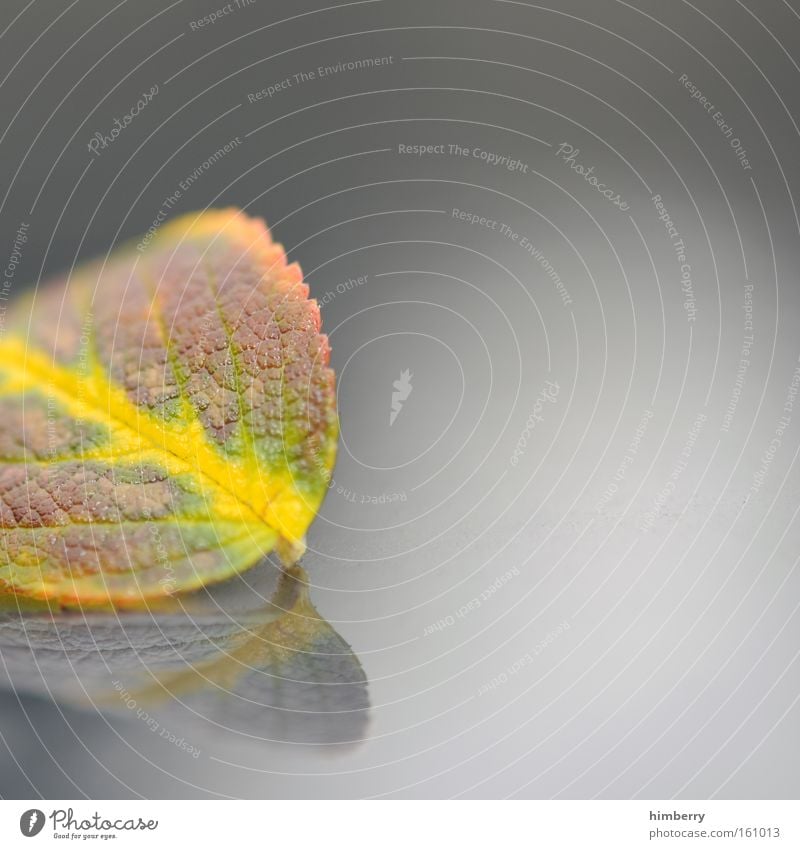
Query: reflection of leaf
(166,417)
(277,671)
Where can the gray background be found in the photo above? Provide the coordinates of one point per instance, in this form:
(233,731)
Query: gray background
(677,674)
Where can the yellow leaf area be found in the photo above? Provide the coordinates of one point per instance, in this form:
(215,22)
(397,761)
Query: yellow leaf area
(167,417)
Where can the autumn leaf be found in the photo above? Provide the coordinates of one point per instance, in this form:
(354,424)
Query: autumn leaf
(167,417)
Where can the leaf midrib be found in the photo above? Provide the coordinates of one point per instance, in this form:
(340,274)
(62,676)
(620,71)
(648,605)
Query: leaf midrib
(68,388)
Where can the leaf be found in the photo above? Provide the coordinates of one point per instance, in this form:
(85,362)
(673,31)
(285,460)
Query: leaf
(167,417)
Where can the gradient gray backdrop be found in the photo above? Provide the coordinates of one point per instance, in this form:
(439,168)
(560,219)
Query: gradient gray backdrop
(641,639)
